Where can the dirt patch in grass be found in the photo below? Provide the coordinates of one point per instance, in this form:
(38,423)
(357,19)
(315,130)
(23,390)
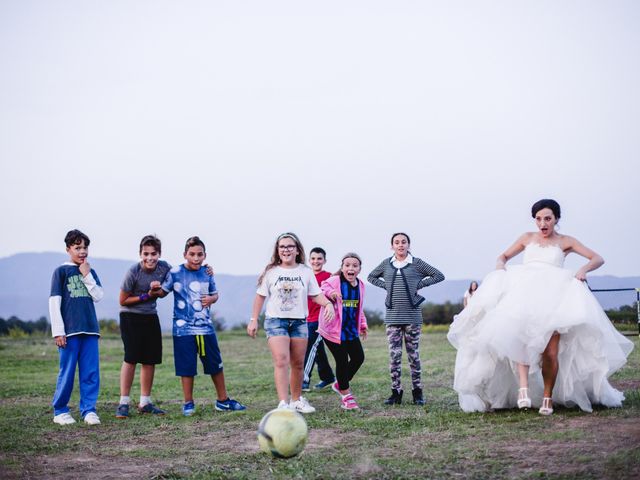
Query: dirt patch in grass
(587,446)
(325,438)
(578,446)
(626,385)
(136,458)
(81,465)
(365,467)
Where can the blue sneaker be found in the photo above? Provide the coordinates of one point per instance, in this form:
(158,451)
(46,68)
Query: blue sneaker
(122,411)
(305,387)
(322,385)
(151,408)
(229,405)
(188,409)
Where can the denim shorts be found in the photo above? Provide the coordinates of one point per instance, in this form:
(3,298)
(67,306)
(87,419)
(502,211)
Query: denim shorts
(286,327)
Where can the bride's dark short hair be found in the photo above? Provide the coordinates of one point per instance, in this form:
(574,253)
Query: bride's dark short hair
(546,203)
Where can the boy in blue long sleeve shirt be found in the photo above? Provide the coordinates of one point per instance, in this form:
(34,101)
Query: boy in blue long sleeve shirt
(74,326)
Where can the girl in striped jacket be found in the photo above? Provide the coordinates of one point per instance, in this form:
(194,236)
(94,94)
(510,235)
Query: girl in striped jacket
(402,276)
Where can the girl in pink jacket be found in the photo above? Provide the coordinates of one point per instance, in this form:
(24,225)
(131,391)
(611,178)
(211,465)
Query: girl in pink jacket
(342,333)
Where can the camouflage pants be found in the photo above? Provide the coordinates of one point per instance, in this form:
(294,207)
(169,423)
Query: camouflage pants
(411,335)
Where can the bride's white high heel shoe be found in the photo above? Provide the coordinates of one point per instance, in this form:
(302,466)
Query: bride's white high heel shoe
(547,406)
(523,398)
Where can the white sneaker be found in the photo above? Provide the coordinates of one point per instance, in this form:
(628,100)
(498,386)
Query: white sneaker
(284,405)
(92,418)
(301,405)
(63,419)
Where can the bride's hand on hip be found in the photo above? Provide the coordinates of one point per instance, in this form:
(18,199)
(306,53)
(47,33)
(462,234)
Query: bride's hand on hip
(581,275)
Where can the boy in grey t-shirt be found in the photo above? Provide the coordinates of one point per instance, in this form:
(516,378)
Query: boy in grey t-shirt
(140,325)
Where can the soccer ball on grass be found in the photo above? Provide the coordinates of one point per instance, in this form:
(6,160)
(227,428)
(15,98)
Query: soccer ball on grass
(282,433)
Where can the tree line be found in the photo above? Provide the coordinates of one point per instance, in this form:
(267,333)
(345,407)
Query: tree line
(432,314)
(16,327)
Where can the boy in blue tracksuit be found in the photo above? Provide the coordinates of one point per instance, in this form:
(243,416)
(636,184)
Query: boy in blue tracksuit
(74,326)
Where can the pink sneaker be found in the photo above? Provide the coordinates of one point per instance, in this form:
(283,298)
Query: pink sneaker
(349,403)
(334,387)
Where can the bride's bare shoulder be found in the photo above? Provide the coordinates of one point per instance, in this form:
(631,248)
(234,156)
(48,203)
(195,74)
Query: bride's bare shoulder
(566,241)
(526,238)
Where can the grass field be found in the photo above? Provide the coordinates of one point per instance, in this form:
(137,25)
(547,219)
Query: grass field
(438,441)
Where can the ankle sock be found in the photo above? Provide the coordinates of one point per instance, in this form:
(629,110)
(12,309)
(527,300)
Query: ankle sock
(124,400)
(144,400)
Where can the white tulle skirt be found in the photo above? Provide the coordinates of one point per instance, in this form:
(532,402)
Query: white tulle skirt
(511,318)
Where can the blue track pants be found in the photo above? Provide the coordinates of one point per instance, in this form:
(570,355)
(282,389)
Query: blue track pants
(81,350)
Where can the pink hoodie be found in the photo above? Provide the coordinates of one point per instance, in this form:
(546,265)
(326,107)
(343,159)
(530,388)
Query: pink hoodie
(331,330)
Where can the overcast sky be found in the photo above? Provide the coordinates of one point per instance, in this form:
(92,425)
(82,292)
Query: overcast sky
(342,121)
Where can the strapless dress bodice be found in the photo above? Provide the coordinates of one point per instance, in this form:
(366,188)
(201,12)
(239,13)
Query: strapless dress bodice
(551,254)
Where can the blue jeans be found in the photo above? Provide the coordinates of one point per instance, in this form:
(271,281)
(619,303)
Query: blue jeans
(81,350)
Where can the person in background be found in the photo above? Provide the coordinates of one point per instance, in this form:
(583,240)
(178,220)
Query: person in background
(473,286)
(315,353)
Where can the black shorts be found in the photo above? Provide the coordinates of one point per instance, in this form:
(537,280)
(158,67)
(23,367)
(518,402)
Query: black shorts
(142,338)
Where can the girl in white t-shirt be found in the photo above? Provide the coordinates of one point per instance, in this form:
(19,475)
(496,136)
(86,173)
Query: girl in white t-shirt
(285,284)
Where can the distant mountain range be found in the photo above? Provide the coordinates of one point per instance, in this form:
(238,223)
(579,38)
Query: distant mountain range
(25,282)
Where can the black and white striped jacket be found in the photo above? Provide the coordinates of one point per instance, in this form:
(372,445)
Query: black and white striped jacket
(414,276)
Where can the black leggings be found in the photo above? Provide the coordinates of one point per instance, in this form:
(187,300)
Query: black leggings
(349,358)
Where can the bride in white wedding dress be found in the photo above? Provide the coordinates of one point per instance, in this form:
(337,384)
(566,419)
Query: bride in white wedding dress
(534,333)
